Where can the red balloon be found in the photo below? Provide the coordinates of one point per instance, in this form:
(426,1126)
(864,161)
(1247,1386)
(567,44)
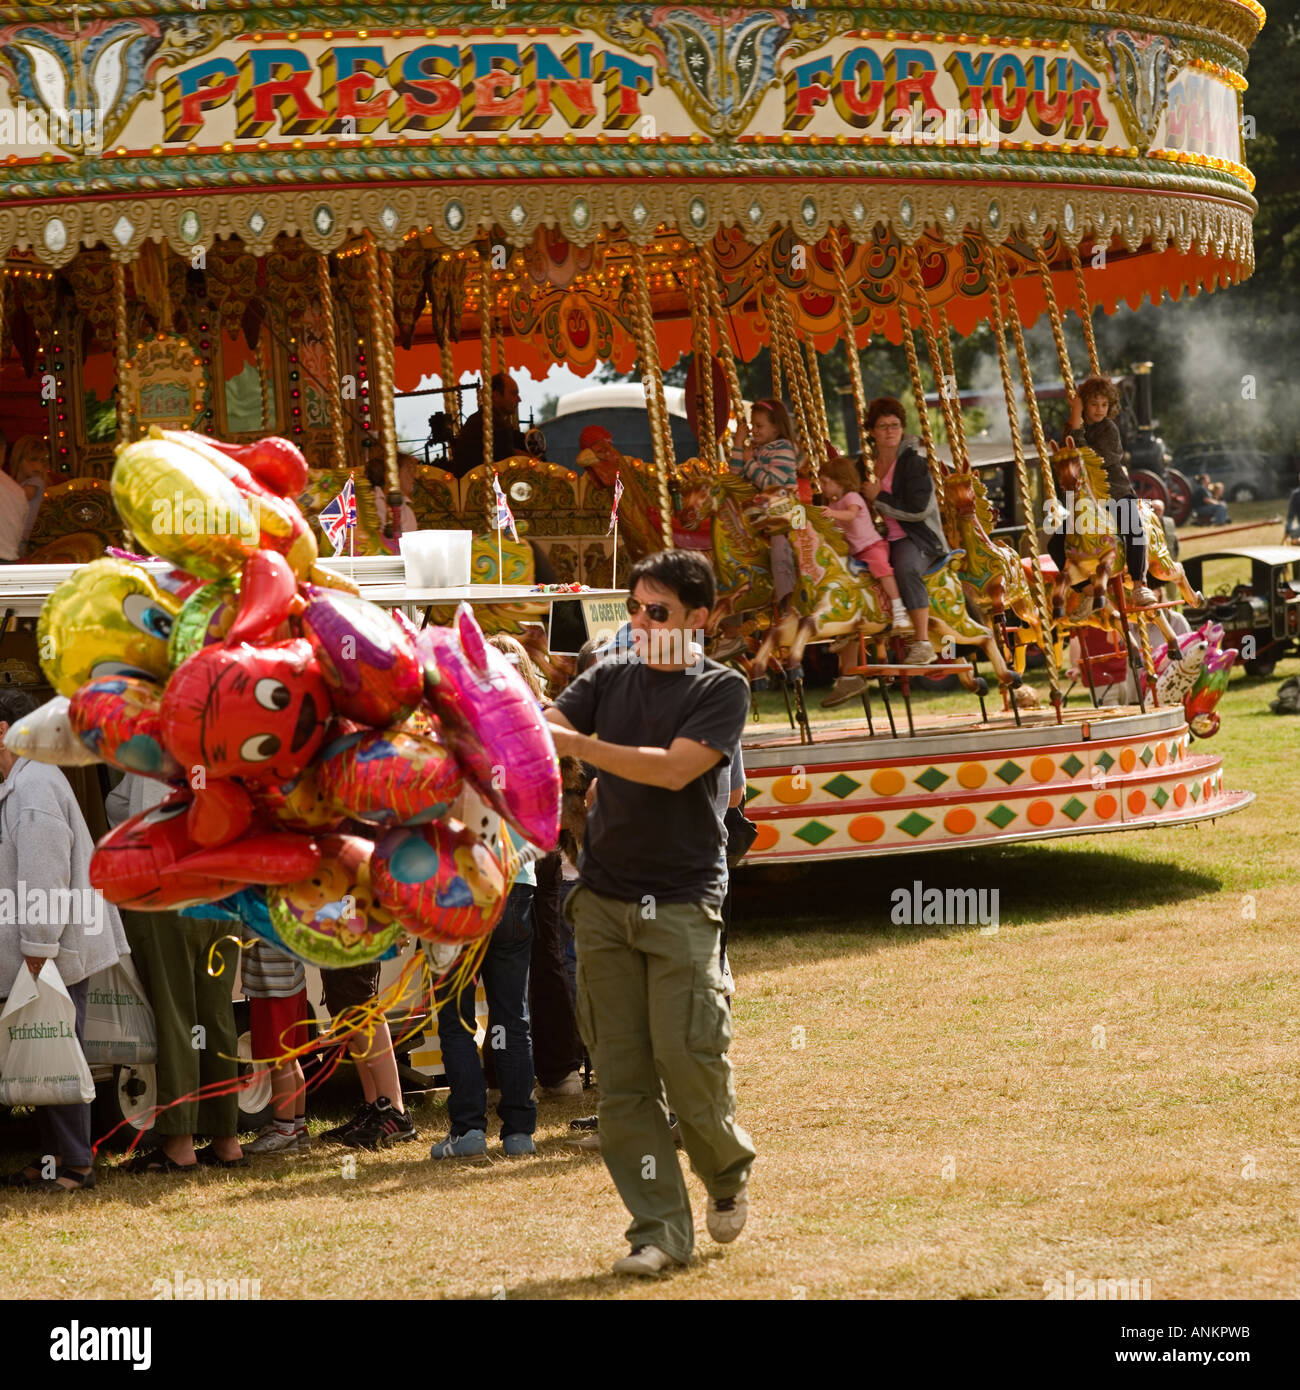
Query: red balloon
(222,811)
(275,462)
(119,718)
(256,713)
(266,594)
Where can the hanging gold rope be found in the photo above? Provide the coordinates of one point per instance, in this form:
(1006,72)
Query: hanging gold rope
(936,365)
(1022,483)
(1031,399)
(816,393)
(450,398)
(1054,314)
(338,445)
(713,300)
(702,347)
(801,389)
(660,428)
(923,415)
(950,378)
(1085,312)
(485,363)
(1144,641)
(774,358)
(388,387)
(851,346)
(122,349)
(264,367)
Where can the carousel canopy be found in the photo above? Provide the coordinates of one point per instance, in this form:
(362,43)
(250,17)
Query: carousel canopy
(562,141)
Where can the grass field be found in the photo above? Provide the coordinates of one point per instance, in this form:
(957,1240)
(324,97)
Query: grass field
(1106,1086)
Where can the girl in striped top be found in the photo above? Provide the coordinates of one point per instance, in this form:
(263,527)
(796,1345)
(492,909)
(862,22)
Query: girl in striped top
(765,455)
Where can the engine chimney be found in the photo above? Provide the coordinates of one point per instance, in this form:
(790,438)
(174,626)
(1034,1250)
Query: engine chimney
(1142,395)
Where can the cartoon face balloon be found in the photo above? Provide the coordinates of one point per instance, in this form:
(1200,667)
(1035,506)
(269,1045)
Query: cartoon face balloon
(439,881)
(108,619)
(120,720)
(331,919)
(256,713)
(390,778)
(368,661)
(494,726)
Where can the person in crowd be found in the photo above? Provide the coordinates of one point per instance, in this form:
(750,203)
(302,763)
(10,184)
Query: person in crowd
(407,464)
(845,506)
(507,438)
(14,506)
(1094,410)
(557,1048)
(764,454)
(647,912)
(275,985)
(381,1119)
(903,493)
(29,464)
(1291,528)
(186,967)
(1167,526)
(45,848)
(1207,509)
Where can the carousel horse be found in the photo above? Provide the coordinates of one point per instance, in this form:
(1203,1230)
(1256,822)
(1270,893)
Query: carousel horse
(829,600)
(992,572)
(1092,546)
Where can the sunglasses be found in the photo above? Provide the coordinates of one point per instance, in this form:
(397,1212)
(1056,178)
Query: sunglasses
(656,612)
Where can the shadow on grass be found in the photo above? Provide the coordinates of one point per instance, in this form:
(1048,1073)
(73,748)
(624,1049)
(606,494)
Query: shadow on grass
(1033,882)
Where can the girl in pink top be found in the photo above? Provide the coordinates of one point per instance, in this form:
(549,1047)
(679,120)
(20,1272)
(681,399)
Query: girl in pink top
(839,484)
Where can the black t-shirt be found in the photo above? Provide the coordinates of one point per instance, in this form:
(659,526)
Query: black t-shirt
(644,840)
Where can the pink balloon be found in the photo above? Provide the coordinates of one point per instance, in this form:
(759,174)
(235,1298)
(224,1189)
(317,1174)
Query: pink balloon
(494,726)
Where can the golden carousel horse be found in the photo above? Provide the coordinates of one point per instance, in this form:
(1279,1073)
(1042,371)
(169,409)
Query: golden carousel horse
(829,600)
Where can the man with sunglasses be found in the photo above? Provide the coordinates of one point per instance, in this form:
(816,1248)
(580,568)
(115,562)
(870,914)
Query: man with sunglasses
(657,720)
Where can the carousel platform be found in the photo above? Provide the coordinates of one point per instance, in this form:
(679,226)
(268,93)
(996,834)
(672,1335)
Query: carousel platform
(967,781)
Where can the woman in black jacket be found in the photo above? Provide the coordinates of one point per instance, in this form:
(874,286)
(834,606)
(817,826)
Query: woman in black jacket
(903,493)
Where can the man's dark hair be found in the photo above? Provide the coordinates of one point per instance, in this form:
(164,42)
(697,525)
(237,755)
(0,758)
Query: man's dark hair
(15,704)
(499,380)
(685,573)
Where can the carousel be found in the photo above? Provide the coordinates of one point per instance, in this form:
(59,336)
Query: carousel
(282,219)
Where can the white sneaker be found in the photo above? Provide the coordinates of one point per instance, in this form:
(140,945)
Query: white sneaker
(726,1216)
(900,621)
(846,688)
(646,1259)
(1144,597)
(566,1089)
(919,654)
(271,1140)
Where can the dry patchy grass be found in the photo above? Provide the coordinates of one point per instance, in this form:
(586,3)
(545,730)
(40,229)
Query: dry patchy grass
(1107,1085)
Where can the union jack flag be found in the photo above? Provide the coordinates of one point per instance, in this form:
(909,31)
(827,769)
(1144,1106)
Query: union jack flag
(618,497)
(340,515)
(505,520)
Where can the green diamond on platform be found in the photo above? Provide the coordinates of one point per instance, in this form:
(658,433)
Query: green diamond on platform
(1160,796)
(752,790)
(1001,816)
(914,824)
(1074,808)
(840,785)
(1009,771)
(813,833)
(1146,755)
(1072,766)
(1105,761)
(1196,791)
(932,779)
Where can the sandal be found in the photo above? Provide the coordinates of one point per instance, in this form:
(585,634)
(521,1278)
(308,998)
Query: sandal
(84,1182)
(208,1156)
(155,1161)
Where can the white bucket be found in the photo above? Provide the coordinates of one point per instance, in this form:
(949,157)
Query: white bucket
(437,559)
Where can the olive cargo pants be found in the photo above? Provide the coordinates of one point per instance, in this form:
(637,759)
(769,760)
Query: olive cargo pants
(653,1015)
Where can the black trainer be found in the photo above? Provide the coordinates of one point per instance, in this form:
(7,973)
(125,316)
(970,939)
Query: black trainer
(385,1125)
(339,1133)
(586,1122)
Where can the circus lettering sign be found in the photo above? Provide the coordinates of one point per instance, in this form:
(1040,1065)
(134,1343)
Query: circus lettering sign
(638,76)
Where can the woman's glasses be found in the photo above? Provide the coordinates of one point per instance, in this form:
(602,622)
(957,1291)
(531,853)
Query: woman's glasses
(656,612)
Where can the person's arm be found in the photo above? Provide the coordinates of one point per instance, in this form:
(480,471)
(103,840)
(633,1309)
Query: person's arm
(673,767)
(909,499)
(44,843)
(838,513)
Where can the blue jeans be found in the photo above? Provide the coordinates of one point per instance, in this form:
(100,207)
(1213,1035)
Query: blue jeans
(505,982)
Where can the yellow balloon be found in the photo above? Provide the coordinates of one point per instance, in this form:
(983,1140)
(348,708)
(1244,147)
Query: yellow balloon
(109,619)
(182,507)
